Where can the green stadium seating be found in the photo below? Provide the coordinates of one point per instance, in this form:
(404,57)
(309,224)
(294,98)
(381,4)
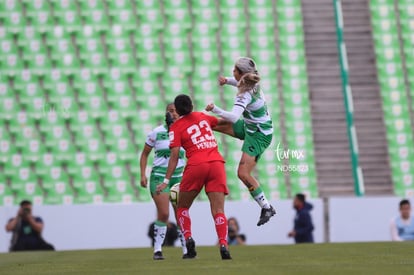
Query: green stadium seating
(296,98)
(12,16)
(39,14)
(66,15)
(84,80)
(86,184)
(122,14)
(392,87)
(6,194)
(94,15)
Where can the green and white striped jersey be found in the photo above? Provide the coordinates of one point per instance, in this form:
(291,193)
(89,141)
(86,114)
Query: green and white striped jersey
(255,115)
(159,140)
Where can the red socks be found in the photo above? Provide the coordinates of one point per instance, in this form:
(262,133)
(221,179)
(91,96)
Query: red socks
(220,221)
(184,222)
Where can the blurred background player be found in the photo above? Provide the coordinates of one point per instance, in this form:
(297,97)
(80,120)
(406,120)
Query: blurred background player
(205,168)
(255,128)
(402,227)
(158,139)
(302,226)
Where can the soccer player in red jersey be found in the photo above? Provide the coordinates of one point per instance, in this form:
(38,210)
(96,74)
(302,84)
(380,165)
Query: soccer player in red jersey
(205,168)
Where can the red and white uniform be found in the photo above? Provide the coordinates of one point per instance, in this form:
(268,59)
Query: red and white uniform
(205,165)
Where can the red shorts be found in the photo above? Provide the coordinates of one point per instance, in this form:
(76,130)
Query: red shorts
(211,175)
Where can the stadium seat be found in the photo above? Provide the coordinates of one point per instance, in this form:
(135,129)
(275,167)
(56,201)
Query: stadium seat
(89,192)
(205,12)
(66,15)
(296,96)
(392,87)
(7,44)
(94,15)
(116,180)
(119,62)
(13,18)
(150,15)
(59,193)
(86,183)
(119,191)
(40,14)
(122,14)
(53,175)
(79,164)
(6,194)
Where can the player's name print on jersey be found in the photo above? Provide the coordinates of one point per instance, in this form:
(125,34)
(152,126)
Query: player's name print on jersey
(202,135)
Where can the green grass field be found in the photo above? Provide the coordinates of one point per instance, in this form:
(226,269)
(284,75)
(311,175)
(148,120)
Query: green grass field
(349,258)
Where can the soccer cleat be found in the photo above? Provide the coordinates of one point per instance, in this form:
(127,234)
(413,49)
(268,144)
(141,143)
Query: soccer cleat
(191,253)
(224,252)
(265,215)
(186,256)
(158,256)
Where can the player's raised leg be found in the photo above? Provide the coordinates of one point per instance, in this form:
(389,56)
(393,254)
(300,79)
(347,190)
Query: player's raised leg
(225,127)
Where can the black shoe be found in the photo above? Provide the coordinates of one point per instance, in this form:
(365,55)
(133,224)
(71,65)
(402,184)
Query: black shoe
(186,256)
(191,253)
(265,215)
(158,256)
(225,254)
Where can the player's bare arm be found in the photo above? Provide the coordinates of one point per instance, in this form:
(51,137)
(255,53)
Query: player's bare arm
(143,164)
(172,164)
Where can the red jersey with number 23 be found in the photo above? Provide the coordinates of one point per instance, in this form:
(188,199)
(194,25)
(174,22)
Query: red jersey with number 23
(193,132)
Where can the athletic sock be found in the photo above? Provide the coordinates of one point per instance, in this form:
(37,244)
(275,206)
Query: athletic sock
(184,222)
(260,197)
(220,221)
(182,240)
(160,230)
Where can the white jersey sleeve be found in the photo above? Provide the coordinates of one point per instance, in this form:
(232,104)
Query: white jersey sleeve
(243,100)
(231,81)
(232,116)
(151,138)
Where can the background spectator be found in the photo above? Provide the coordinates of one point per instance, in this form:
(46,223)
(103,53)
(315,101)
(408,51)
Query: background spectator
(234,237)
(27,230)
(402,227)
(303,226)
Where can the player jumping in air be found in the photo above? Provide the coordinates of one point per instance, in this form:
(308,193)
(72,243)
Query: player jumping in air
(255,128)
(205,168)
(158,139)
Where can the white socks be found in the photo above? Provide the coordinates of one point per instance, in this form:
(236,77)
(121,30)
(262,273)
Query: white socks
(159,235)
(261,200)
(182,241)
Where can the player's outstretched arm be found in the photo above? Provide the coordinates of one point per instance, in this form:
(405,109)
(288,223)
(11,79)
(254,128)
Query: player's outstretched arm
(232,116)
(227,80)
(222,80)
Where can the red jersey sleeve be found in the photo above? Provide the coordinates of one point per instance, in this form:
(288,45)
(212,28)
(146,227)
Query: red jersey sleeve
(174,136)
